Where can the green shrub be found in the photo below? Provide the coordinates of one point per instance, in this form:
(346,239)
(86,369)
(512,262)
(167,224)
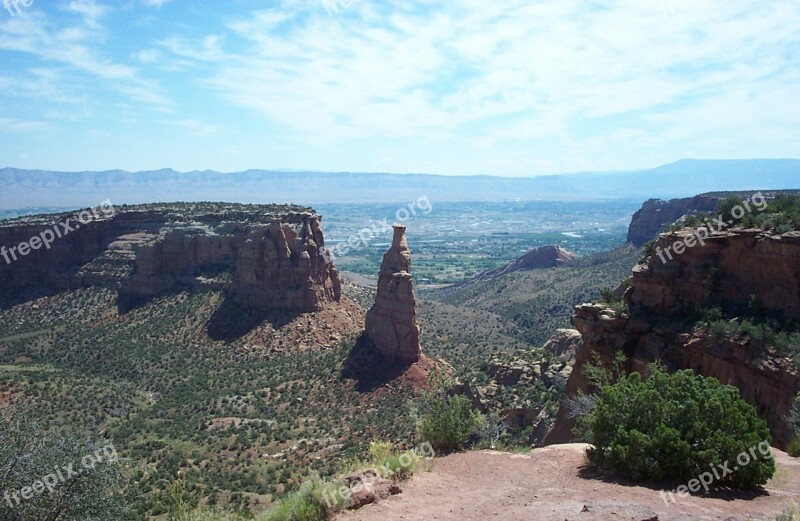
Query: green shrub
(676,427)
(307,504)
(380,451)
(449,422)
(794,447)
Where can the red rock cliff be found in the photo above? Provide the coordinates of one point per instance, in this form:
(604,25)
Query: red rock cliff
(733,265)
(276,254)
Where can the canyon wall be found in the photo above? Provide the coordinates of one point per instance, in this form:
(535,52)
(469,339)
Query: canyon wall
(275,254)
(655,214)
(733,266)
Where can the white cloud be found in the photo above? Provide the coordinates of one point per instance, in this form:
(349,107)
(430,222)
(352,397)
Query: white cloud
(509,69)
(74,47)
(16,125)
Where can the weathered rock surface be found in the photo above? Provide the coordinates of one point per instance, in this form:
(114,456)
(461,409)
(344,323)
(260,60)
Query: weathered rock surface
(365,487)
(538,258)
(391,323)
(275,254)
(284,266)
(515,378)
(734,265)
(657,213)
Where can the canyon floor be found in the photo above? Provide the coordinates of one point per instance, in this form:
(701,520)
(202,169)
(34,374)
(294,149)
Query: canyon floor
(555,484)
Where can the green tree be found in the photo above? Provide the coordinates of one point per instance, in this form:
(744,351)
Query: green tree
(678,426)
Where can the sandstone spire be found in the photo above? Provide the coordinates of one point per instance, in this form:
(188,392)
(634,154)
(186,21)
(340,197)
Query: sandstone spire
(392,322)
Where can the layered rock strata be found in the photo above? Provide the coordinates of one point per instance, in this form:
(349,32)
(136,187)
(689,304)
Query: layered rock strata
(274,255)
(655,214)
(732,266)
(391,323)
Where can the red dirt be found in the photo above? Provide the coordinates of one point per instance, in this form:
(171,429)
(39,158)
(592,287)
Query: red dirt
(554,484)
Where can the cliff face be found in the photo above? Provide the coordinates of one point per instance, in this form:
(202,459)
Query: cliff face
(392,322)
(654,214)
(733,265)
(284,266)
(766,381)
(276,254)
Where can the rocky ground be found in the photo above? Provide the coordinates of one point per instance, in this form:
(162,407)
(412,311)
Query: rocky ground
(554,484)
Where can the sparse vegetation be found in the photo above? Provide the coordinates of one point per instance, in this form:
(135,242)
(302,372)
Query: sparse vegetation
(527,306)
(791,513)
(30,453)
(751,319)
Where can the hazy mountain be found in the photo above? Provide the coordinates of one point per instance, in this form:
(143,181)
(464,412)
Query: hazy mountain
(29,188)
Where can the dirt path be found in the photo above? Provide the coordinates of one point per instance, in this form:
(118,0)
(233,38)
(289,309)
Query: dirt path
(552,484)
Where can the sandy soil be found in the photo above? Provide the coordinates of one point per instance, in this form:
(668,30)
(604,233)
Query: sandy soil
(554,483)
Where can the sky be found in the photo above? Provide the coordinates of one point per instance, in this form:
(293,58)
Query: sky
(512,88)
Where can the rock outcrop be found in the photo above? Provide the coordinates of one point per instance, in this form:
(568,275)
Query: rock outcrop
(539,258)
(366,487)
(391,323)
(732,266)
(284,266)
(655,214)
(516,383)
(274,255)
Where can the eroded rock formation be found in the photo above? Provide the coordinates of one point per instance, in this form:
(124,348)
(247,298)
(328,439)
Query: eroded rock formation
(274,256)
(654,214)
(734,266)
(511,376)
(391,323)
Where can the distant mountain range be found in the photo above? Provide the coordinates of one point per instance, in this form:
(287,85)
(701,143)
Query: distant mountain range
(39,188)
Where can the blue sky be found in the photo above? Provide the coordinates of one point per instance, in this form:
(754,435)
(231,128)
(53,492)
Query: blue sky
(453,87)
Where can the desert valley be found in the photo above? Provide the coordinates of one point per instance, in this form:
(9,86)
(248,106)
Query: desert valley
(361,260)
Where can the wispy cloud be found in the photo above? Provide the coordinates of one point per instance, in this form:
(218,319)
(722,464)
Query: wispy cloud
(515,69)
(73,45)
(456,86)
(16,125)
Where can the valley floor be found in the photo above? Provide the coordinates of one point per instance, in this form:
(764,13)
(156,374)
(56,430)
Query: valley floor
(554,484)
